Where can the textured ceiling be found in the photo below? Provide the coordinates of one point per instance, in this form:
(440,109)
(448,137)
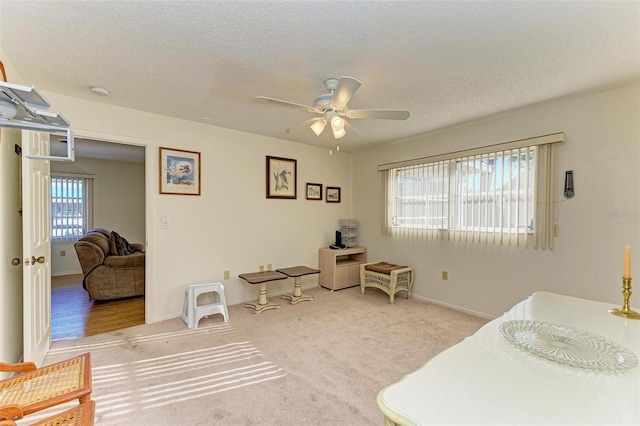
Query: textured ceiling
(445,62)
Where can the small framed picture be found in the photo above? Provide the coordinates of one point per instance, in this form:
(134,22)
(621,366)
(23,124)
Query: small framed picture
(282,174)
(179,172)
(314,191)
(333,194)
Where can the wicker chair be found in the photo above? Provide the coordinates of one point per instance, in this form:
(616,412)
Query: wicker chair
(38,388)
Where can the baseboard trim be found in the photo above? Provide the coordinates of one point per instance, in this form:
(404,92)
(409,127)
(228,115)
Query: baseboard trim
(308,287)
(65,273)
(455,307)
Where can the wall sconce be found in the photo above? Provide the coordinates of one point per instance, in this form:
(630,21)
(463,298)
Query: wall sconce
(569,191)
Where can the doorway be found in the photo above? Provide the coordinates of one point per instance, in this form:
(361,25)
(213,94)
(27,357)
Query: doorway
(119,204)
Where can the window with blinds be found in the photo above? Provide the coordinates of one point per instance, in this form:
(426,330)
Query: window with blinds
(71,206)
(492,192)
(492,195)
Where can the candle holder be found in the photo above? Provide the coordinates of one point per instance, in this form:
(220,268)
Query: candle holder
(625,311)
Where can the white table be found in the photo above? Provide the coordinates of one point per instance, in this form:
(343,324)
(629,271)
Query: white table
(487,380)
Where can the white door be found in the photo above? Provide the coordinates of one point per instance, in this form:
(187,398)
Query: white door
(36,248)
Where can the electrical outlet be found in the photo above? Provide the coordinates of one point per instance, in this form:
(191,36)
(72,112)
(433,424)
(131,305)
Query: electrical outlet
(63,253)
(261,268)
(445,275)
(227,275)
(269,267)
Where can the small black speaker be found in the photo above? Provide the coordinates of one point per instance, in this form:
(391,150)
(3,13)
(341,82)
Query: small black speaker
(569,190)
(338,239)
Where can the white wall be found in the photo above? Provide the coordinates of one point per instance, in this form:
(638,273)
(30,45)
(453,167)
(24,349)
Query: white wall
(10,247)
(11,239)
(602,132)
(119,198)
(231,226)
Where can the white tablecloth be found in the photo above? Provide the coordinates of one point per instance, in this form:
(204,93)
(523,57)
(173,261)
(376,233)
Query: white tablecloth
(487,380)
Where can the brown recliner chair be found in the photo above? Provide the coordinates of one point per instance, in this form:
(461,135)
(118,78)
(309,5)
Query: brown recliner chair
(108,275)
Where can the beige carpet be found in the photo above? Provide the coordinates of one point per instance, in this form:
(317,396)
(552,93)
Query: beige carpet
(314,363)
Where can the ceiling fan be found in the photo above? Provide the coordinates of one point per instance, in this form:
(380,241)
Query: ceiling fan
(333,109)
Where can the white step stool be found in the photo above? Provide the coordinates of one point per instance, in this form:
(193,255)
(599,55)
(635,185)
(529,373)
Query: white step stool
(192,312)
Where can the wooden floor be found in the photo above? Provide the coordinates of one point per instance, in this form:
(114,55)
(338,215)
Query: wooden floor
(74,316)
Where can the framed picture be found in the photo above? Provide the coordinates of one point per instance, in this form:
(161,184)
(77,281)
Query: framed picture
(282,174)
(314,191)
(333,194)
(179,172)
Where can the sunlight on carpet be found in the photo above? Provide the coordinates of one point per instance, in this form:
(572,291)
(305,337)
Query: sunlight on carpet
(157,381)
(175,387)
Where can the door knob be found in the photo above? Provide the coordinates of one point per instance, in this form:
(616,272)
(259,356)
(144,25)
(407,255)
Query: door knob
(39,260)
(15,261)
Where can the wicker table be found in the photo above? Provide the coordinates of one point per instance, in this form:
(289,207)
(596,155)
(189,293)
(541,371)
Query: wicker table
(262,278)
(298,272)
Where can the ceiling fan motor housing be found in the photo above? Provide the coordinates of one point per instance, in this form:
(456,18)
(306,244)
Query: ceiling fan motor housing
(323,101)
(331,84)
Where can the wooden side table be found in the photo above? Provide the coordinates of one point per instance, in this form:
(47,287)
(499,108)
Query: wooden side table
(298,272)
(262,278)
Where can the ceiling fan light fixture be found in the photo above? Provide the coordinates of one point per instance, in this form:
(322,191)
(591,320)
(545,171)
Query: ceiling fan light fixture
(338,133)
(337,123)
(318,126)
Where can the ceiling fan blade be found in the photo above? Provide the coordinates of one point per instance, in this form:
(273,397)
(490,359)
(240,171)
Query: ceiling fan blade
(351,131)
(286,104)
(388,114)
(306,123)
(347,86)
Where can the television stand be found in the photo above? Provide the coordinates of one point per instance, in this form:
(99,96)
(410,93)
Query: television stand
(340,268)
